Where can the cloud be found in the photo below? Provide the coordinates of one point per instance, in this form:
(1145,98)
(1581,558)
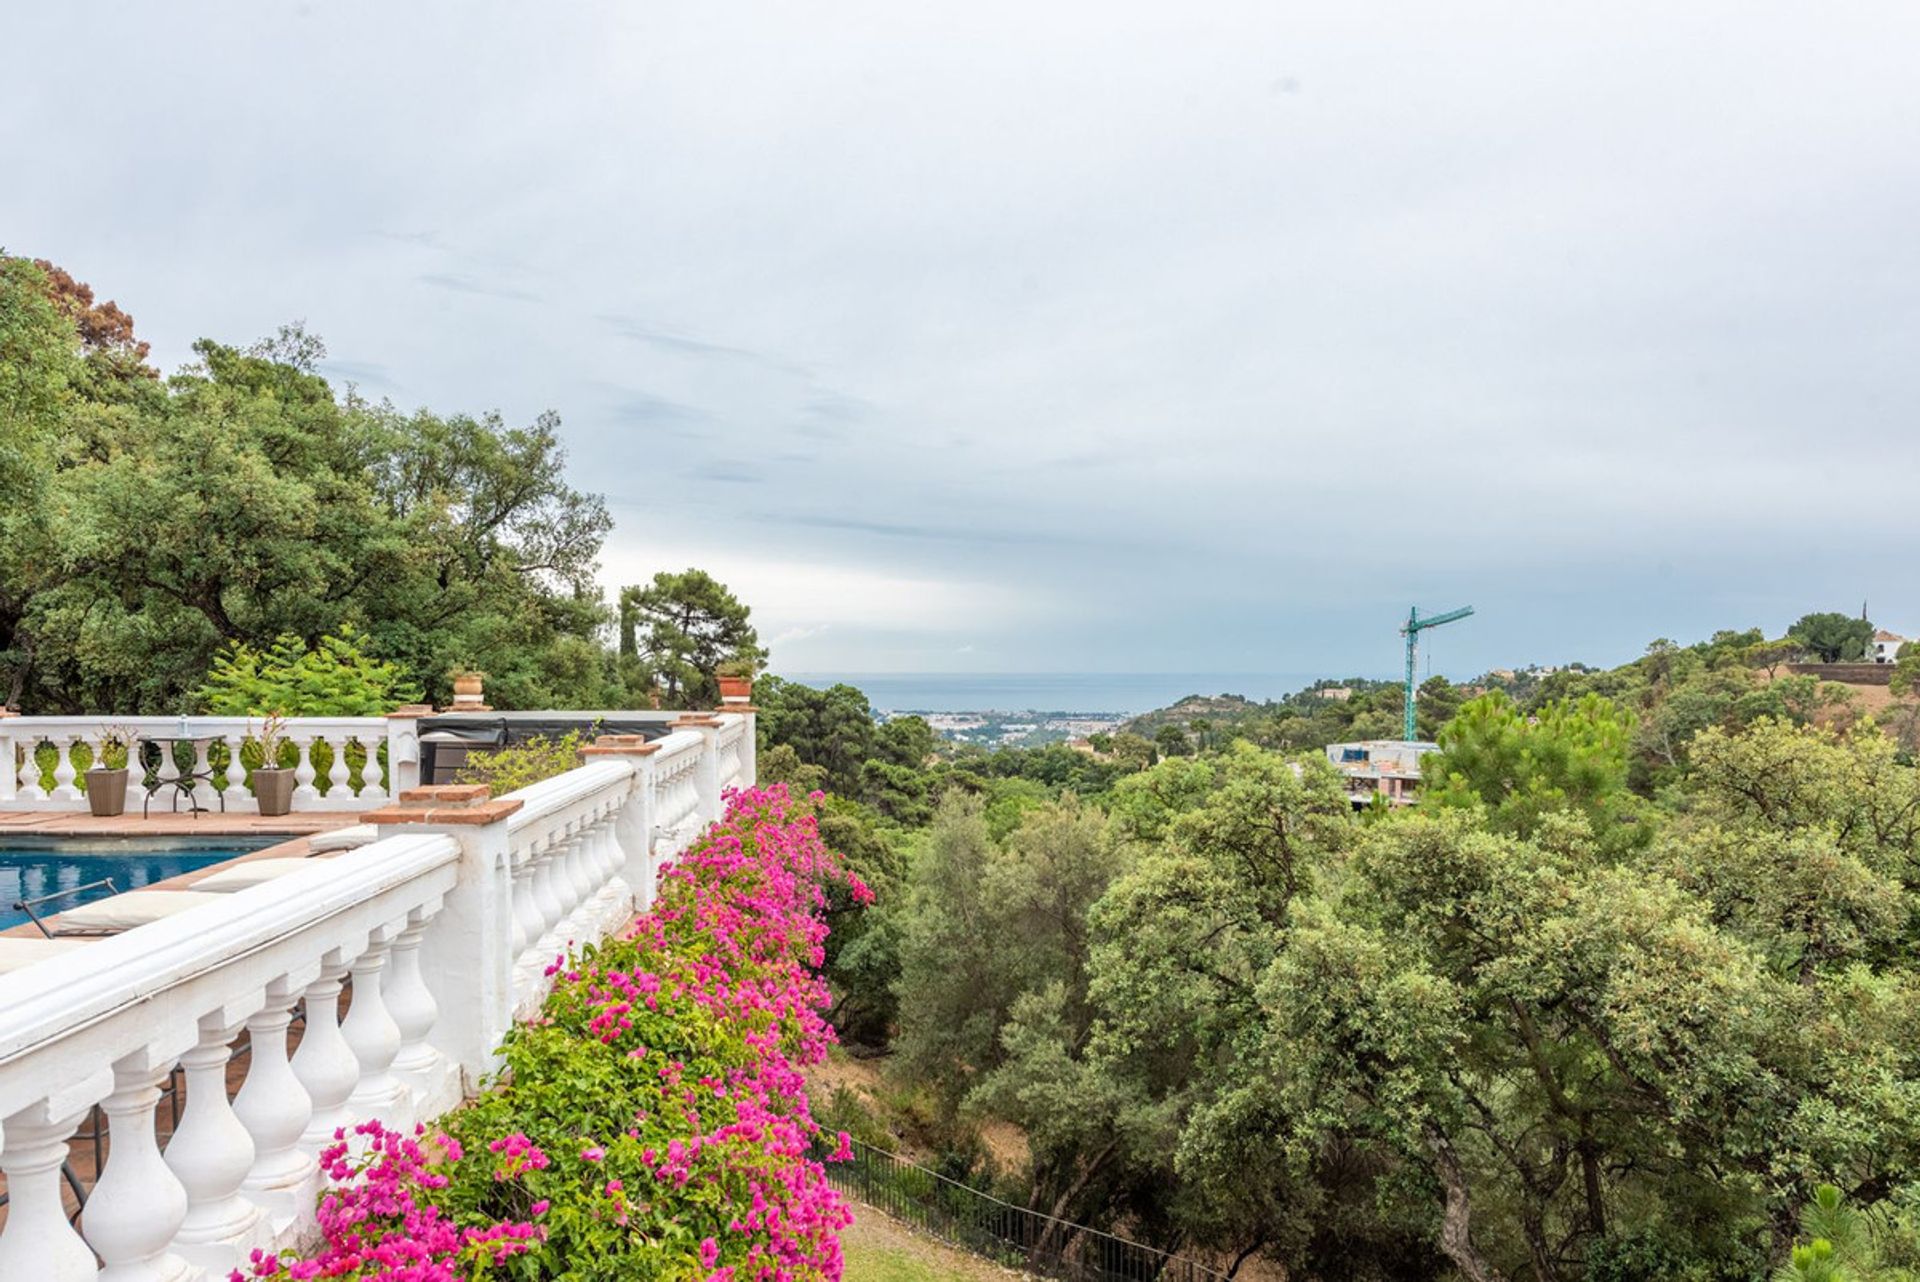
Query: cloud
(911,530)
(647,409)
(1138,343)
(367,373)
(428,237)
(828,414)
(682,345)
(726,471)
(467,285)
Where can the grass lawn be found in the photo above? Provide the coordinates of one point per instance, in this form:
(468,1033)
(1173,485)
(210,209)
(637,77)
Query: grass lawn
(880,1250)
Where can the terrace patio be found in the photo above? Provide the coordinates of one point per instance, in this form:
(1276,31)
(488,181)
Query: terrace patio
(205,1057)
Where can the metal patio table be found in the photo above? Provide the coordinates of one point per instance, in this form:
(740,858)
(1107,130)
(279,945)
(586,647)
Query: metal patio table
(184,783)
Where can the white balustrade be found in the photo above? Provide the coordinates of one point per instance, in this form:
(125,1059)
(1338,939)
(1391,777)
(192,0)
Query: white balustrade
(325,1064)
(138,1203)
(274,1107)
(236,793)
(26,742)
(304,793)
(374,1038)
(211,1152)
(65,771)
(39,1242)
(445,931)
(371,790)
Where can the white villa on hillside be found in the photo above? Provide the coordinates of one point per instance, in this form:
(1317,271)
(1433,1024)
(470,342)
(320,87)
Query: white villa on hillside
(1885,646)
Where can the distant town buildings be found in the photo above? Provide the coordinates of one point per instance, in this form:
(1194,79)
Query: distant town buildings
(1341,693)
(1388,767)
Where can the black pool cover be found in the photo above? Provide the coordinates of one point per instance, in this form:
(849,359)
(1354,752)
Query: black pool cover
(445,740)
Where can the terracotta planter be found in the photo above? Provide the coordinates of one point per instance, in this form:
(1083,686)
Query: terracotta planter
(736,689)
(107,791)
(467,685)
(273,789)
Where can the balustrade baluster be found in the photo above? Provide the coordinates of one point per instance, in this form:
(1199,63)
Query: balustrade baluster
(370,1031)
(137,1204)
(612,857)
(29,775)
(371,789)
(236,789)
(339,778)
(64,772)
(325,1064)
(579,880)
(211,1153)
(168,771)
(593,857)
(413,1008)
(274,1107)
(571,885)
(526,913)
(203,789)
(37,1241)
(546,897)
(304,791)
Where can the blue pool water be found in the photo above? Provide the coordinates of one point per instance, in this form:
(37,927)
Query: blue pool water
(33,866)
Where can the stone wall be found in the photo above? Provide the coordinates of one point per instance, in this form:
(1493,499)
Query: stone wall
(1856,674)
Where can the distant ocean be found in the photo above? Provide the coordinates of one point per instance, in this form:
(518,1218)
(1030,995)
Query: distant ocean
(1127,693)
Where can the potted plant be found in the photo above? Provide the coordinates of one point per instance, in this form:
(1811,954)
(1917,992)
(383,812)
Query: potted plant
(736,679)
(272,782)
(107,776)
(468,689)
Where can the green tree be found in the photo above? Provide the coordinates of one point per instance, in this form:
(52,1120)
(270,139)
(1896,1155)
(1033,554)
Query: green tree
(831,728)
(1435,704)
(958,977)
(1172,741)
(38,368)
(242,500)
(1831,636)
(1905,677)
(1571,755)
(335,678)
(683,627)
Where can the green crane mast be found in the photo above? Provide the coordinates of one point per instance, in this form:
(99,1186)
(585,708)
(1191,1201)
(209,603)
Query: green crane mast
(1415,625)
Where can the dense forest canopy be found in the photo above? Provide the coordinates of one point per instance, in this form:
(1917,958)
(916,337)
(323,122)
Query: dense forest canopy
(148,525)
(1635,978)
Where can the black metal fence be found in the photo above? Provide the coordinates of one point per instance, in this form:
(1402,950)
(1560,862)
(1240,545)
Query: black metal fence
(1014,1236)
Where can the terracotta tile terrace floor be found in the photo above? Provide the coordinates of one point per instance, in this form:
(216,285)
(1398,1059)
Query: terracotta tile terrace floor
(212,824)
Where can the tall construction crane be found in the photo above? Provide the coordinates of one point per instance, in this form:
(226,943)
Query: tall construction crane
(1415,625)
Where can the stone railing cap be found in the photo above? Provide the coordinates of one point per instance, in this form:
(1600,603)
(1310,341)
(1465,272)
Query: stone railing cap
(411,712)
(695,719)
(460,792)
(445,803)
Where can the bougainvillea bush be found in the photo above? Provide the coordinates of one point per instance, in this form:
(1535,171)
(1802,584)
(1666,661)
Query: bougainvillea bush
(653,1122)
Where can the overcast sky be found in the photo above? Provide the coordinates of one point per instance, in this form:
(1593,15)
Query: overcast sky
(1050,336)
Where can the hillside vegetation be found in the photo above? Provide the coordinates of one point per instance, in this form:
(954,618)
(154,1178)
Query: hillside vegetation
(1634,980)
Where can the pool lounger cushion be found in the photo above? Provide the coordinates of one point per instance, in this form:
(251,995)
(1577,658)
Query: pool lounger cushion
(343,839)
(249,872)
(18,952)
(124,912)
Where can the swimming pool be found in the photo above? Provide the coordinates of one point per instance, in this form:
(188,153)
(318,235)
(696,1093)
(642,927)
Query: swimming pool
(34,865)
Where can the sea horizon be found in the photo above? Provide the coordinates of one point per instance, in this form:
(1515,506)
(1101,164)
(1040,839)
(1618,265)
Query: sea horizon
(1115,693)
